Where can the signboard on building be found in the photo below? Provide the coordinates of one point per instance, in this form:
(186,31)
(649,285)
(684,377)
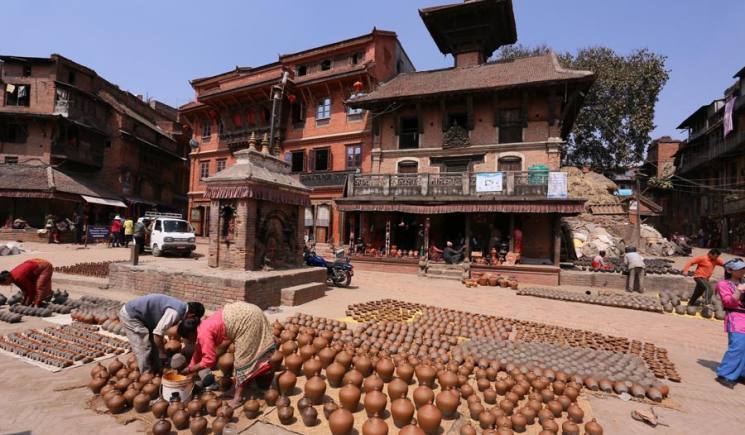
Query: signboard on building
(488,182)
(557,185)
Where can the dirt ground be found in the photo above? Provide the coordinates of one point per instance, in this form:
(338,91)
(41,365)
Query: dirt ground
(31,402)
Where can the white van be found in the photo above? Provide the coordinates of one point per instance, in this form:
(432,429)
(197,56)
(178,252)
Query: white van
(169,234)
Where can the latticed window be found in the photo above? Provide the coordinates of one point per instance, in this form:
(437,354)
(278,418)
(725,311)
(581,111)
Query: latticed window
(323,110)
(204,169)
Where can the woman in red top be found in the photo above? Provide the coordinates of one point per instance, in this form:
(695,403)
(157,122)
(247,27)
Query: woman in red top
(116,227)
(33,277)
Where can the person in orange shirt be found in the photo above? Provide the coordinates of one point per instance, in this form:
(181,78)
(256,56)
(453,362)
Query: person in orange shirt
(705,265)
(34,278)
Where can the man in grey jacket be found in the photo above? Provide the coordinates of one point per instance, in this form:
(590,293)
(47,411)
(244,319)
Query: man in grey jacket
(146,320)
(635,263)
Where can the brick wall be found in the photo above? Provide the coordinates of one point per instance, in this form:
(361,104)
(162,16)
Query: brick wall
(213,290)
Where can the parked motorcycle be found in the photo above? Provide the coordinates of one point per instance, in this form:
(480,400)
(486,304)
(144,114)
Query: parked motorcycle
(339,273)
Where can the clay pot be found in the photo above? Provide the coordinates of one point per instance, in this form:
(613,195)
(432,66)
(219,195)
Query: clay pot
(466,390)
(572,393)
(226,411)
(312,367)
(565,402)
(555,407)
(364,365)
(425,375)
(490,396)
(252,408)
(293,362)
(447,402)
(447,380)
(397,388)
(116,404)
(129,396)
(550,425)
(575,413)
(373,383)
(423,395)
(315,388)
(115,366)
(402,411)
(405,372)
(286,382)
(212,406)
(194,407)
(385,369)
(344,358)
(467,429)
(374,426)
(151,390)
(218,425)
(487,420)
(309,416)
(226,363)
(411,430)
(96,384)
(375,402)
(475,409)
(285,414)
(593,428)
(270,397)
(341,422)
(141,402)
(180,419)
(326,356)
(429,418)
(569,428)
(160,408)
(519,422)
(353,377)
(282,401)
(162,427)
(329,408)
(334,374)
(198,426)
(507,406)
(349,397)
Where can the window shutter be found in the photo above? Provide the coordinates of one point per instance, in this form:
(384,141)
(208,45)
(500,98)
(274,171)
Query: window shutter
(330,161)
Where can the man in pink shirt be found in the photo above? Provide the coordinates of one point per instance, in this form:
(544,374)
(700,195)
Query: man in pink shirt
(731,290)
(210,342)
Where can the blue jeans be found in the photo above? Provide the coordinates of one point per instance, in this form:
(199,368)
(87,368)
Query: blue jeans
(732,366)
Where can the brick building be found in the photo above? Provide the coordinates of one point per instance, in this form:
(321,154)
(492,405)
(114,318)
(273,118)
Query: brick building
(72,141)
(710,171)
(322,138)
(659,167)
(438,133)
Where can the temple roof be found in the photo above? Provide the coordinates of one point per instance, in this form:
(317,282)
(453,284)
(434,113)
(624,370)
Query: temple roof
(489,76)
(472,25)
(257,167)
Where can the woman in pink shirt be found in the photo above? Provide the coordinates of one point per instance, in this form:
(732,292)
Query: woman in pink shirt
(730,291)
(210,343)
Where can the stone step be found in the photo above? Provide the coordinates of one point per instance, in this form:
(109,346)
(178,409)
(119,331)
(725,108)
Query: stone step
(445,277)
(300,294)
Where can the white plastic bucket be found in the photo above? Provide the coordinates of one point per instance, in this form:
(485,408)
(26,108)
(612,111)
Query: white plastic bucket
(175,383)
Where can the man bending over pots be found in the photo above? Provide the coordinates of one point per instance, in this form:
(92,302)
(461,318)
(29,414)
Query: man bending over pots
(34,278)
(244,325)
(146,320)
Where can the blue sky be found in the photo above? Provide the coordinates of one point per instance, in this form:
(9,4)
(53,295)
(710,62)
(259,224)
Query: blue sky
(154,47)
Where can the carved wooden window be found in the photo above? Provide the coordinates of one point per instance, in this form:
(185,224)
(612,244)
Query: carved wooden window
(510,164)
(298,161)
(354,156)
(408,167)
(408,134)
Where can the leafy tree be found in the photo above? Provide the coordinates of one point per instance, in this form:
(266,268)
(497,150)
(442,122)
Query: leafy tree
(612,130)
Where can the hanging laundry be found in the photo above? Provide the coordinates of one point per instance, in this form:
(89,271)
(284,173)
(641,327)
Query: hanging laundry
(10,88)
(728,108)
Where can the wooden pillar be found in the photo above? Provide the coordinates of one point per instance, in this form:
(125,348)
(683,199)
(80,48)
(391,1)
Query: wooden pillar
(557,239)
(512,229)
(315,218)
(426,236)
(467,245)
(388,236)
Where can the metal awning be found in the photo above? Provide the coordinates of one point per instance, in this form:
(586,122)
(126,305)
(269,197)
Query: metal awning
(104,201)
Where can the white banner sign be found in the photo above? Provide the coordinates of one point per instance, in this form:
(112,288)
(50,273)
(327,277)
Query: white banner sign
(557,185)
(489,182)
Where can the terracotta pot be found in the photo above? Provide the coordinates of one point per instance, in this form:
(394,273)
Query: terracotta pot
(593,428)
(334,374)
(315,388)
(447,402)
(293,362)
(309,416)
(141,402)
(270,397)
(374,426)
(341,422)
(218,425)
(402,411)
(96,384)
(180,419)
(226,411)
(405,372)
(252,408)
(286,382)
(423,395)
(411,429)
(198,426)
(194,407)
(326,356)
(569,428)
(349,397)
(329,408)
(397,388)
(363,364)
(116,404)
(429,418)
(373,383)
(385,369)
(576,414)
(375,402)
(212,406)
(353,377)
(160,408)
(285,414)
(425,375)
(161,427)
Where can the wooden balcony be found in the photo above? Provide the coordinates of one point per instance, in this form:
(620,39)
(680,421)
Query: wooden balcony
(706,151)
(443,185)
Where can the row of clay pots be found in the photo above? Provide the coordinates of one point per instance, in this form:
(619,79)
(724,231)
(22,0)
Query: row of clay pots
(619,300)
(96,269)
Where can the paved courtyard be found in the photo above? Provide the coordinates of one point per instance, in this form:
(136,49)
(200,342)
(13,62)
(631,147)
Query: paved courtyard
(32,400)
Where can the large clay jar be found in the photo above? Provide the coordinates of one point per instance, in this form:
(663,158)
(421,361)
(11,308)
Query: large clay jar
(447,380)
(405,372)
(115,366)
(344,359)
(353,377)
(159,408)
(397,388)
(97,383)
(363,365)
(555,407)
(329,408)
(334,374)
(385,369)
(593,428)
(315,388)
(425,375)
(116,404)
(270,397)
(402,410)
(276,360)
(375,402)
(575,413)
(341,422)
(141,402)
(180,419)
(218,425)
(198,426)
(411,429)
(252,408)
(429,418)
(373,383)
(285,414)
(519,422)
(293,362)
(487,420)
(309,416)
(467,429)
(447,402)
(374,426)
(194,407)
(569,428)
(349,397)
(212,406)
(326,356)
(161,427)
(151,390)
(286,382)
(311,368)
(423,395)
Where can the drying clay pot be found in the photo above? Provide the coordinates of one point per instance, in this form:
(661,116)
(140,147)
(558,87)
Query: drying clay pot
(286,382)
(374,426)
(198,426)
(429,418)
(447,402)
(162,427)
(349,397)
(309,416)
(252,408)
(402,411)
(375,402)
(341,422)
(285,414)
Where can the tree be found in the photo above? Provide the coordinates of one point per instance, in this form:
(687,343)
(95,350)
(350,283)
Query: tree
(611,132)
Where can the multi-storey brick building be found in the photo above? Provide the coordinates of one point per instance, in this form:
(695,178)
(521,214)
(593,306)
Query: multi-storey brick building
(439,134)
(322,138)
(72,141)
(710,171)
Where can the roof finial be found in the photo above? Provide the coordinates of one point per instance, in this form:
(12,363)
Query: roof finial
(252,141)
(265,143)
